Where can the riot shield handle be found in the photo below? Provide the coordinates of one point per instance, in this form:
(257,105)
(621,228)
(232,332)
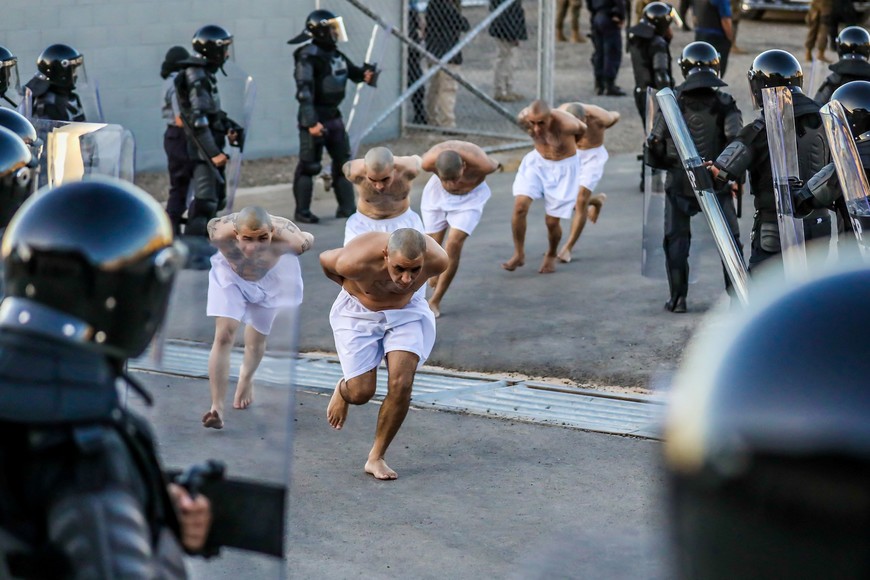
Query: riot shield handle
(194,477)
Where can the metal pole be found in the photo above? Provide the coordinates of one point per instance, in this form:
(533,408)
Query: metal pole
(546,49)
(438,64)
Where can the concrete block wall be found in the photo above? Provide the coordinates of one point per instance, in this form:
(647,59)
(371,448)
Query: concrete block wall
(124,42)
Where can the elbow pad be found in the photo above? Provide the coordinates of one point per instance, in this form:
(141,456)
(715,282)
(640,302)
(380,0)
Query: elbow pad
(732,162)
(820,192)
(200,122)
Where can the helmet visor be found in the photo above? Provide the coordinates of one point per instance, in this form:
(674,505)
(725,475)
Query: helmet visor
(10,82)
(336,26)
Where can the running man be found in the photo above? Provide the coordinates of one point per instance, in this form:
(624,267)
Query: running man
(593,156)
(254,275)
(550,172)
(453,198)
(383,185)
(378,314)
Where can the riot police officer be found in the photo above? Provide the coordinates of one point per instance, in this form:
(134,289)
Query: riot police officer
(767,438)
(750,151)
(82,492)
(649,42)
(207,127)
(8,75)
(321,73)
(823,190)
(713,119)
(53,87)
(17,174)
(853,48)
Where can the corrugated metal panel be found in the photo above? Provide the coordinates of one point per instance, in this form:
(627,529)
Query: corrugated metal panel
(635,414)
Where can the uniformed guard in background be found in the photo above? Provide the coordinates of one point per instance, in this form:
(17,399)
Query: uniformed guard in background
(853,48)
(649,42)
(53,88)
(321,74)
(713,119)
(82,492)
(206,125)
(607,17)
(750,151)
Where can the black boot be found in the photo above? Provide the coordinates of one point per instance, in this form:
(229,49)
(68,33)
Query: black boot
(678,282)
(676,305)
(599,86)
(305,217)
(611,90)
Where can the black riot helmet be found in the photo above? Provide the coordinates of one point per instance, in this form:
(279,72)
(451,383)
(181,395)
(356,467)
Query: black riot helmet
(8,71)
(18,124)
(324,27)
(16,174)
(213,43)
(853,42)
(767,439)
(99,251)
(659,14)
(699,57)
(774,68)
(855,98)
(58,63)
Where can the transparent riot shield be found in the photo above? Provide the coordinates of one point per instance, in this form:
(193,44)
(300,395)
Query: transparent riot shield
(88,91)
(25,106)
(652,262)
(815,75)
(238,92)
(850,171)
(220,372)
(73,150)
(358,116)
(702,184)
(782,141)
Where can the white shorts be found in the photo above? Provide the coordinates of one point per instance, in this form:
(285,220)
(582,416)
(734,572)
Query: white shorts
(557,182)
(439,208)
(358,224)
(592,166)
(363,337)
(254,303)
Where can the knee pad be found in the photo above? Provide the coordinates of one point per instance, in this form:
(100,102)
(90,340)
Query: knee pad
(310,167)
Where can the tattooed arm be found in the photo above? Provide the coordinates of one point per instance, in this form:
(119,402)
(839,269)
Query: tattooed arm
(288,238)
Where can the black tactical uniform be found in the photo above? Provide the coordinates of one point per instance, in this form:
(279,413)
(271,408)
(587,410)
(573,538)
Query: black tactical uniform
(321,74)
(82,493)
(767,443)
(713,119)
(750,151)
(53,87)
(205,124)
(649,43)
(853,47)
(823,190)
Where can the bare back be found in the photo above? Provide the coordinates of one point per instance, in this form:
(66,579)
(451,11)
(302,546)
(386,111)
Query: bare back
(598,120)
(393,199)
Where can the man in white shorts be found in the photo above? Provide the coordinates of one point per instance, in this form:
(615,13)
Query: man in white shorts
(453,198)
(592,156)
(550,172)
(254,275)
(383,185)
(378,314)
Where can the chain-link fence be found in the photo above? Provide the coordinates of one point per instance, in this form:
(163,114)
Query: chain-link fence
(468,68)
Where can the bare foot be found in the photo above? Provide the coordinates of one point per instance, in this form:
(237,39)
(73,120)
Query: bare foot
(435,307)
(244,395)
(595,205)
(336,411)
(380,469)
(433,281)
(564,255)
(548,266)
(212,420)
(515,262)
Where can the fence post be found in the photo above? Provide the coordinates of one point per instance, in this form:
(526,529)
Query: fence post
(546,49)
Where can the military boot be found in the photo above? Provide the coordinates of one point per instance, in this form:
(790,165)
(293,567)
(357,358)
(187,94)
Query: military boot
(678,282)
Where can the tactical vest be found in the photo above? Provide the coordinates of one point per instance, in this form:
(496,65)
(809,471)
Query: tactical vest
(330,74)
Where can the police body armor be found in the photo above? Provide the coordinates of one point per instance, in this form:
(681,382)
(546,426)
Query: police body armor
(54,103)
(321,76)
(206,129)
(650,61)
(843,71)
(73,455)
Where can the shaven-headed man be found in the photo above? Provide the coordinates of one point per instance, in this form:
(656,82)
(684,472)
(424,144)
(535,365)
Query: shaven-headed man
(592,156)
(453,199)
(379,313)
(254,275)
(550,172)
(383,185)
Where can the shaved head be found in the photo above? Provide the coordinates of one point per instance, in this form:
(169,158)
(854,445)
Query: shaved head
(448,165)
(408,242)
(379,160)
(575,109)
(252,217)
(539,108)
